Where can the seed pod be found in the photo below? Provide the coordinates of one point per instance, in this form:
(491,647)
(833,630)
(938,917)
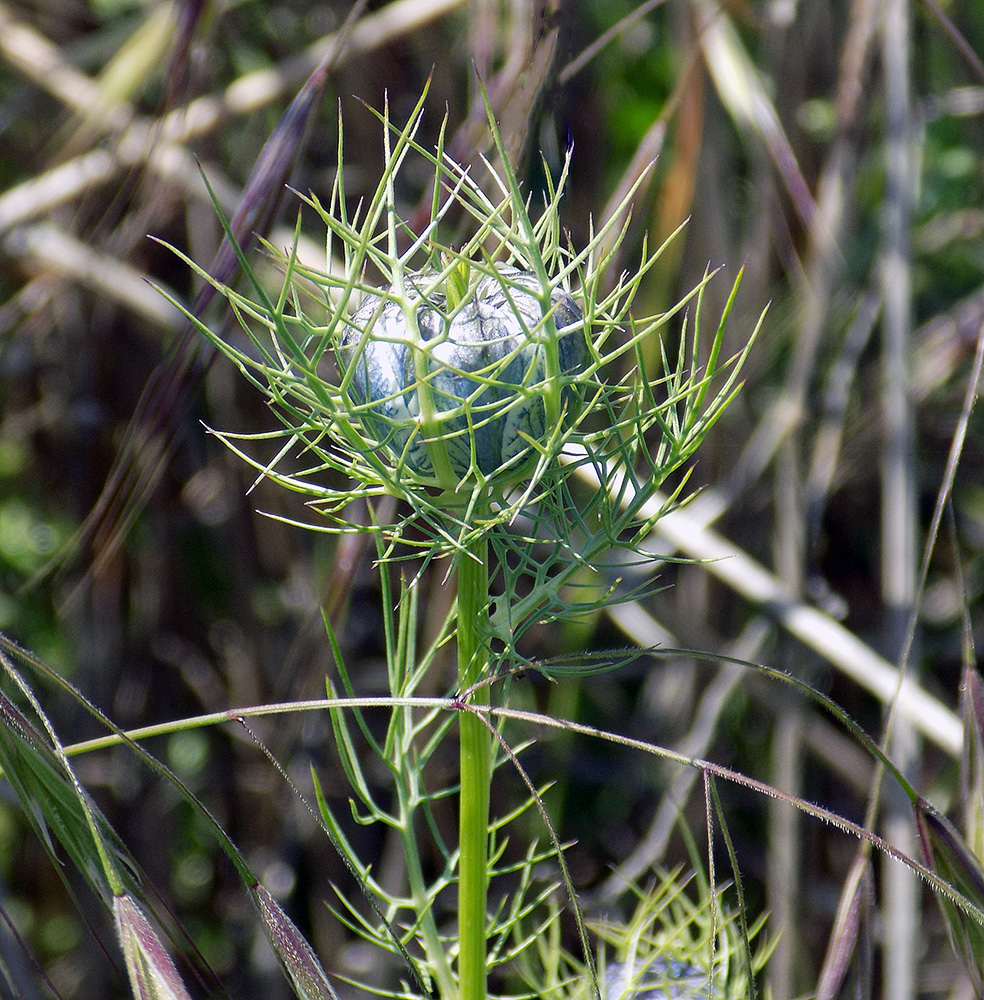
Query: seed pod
(482,363)
(660,979)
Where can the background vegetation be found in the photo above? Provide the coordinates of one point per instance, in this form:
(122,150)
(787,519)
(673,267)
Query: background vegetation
(832,147)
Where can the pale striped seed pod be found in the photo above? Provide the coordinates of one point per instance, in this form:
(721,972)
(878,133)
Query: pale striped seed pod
(660,979)
(484,365)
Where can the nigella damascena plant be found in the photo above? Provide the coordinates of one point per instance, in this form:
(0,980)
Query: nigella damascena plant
(470,383)
(459,378)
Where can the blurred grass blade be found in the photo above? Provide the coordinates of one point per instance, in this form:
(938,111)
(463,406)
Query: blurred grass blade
(189,16)
(746,97)
(153,975)
(149,440)
(849,948)
(12,721)
(53,804)
(960,41)
(292,949)
(136,62)
(972,759)
(268,179)
(946,853)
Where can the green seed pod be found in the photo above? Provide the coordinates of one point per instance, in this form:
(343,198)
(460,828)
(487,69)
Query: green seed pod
(481,361)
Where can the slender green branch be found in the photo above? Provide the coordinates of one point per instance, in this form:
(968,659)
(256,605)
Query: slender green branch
(475,773)
(437,960)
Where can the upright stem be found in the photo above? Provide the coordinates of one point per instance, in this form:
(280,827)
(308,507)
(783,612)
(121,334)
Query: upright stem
(475,774)
(900,505)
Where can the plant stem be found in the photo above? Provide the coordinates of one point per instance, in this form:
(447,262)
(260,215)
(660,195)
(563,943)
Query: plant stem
(475,774)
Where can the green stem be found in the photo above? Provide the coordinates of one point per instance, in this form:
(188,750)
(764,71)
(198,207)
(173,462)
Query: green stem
(475,774)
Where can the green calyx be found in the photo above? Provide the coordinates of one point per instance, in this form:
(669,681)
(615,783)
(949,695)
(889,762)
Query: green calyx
(456,283)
